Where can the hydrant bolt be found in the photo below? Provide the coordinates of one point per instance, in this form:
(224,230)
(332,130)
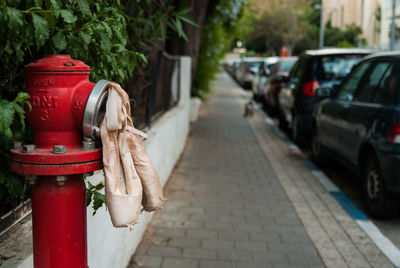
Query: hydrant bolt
(59,149)
(29,148)
(88,144)
(18,144)
(61,180)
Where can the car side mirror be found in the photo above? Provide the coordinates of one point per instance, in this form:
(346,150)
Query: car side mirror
(323,92)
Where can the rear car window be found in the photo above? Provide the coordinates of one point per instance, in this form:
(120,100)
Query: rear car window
(253,64)
(332,67)
(286,66)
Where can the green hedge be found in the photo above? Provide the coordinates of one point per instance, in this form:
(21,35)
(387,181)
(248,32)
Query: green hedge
(220,29)
(111,36)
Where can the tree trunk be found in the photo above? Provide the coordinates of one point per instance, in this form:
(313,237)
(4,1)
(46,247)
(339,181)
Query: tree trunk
(178,46)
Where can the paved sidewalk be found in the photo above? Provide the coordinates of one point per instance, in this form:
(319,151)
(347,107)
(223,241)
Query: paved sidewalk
(241,197)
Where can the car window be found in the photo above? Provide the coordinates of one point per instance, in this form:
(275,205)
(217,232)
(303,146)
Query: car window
(253,64)
(272,68)
(388,88)
(330,67)
(286,65)
(295,70)
(350,85)
(298,69)
(371,82)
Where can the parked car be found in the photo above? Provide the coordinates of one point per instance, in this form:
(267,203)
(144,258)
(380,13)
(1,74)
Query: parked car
(279,75)
(359,125)
(314,69)
(246,71)
(261,76)
(229,65)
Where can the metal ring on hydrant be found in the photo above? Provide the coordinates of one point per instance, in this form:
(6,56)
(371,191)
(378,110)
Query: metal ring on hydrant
(93,112)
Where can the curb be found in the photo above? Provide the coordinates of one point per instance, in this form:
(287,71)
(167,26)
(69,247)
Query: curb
(391,251)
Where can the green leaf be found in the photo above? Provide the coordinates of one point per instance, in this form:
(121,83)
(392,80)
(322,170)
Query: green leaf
(6,117)
(98,200)
(68,16)
(14,185)
(20,54)
(21,98)
(85,37)
(118,48)
(42,31)
(185,11)
(53,4)
(105,43)
(88,197)
(188,20)
(38,3)
(21,114)
(141,56)
(84,7)
(3,177)
(15,18)
(99,186)
(179,29)
(59,41)
(51,18)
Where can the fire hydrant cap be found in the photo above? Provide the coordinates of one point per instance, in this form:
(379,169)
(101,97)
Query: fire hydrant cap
(57,63)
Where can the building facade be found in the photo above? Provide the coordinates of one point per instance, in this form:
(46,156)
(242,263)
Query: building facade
(369,15)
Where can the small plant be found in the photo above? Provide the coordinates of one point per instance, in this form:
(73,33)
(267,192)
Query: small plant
(93,194)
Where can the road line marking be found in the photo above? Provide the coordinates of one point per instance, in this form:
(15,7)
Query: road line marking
(381,241)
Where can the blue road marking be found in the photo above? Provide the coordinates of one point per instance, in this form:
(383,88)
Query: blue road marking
(349,206)
(310,164)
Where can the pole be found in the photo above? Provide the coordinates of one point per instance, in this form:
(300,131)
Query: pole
(392,36)
(321,28)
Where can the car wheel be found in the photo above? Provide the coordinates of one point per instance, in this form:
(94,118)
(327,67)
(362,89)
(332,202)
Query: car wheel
(317,156)
(380,203)
(297,133)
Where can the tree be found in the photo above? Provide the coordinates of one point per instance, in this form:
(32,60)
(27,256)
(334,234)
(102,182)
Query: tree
(279,23)
(349,37)
(219,31)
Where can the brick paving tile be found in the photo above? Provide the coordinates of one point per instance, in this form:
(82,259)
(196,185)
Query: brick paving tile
(179,263)
(241,197)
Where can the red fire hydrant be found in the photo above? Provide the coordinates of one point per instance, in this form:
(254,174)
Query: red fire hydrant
(66,109)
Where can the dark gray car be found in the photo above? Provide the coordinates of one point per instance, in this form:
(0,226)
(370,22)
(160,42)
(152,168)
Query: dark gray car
(359,125)
(314,69)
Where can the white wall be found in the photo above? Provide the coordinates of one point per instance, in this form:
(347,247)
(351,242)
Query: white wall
(113,247)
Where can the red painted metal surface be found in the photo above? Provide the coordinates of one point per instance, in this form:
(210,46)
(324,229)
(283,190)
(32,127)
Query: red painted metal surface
(45,156)
(59,223)
(59,88)
(67,169)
